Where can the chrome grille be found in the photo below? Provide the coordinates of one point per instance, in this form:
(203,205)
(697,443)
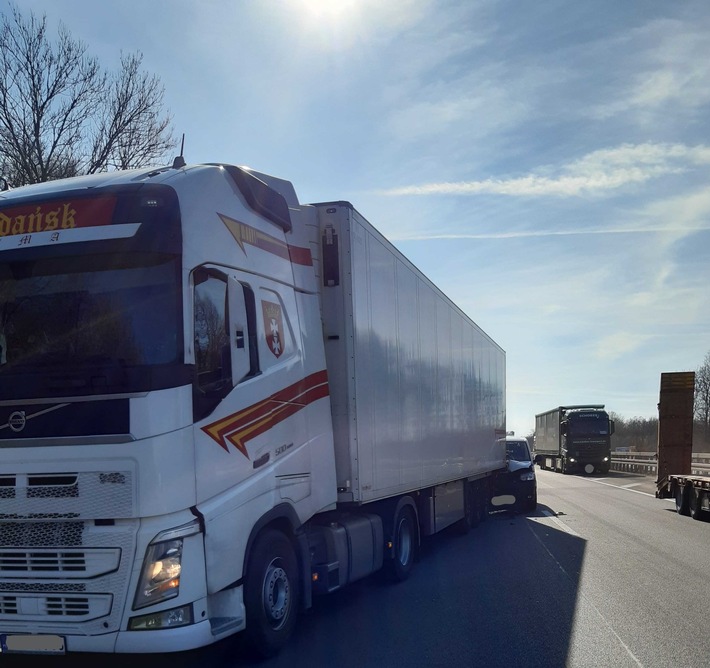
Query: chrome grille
(67,541)
(83,495)
(53,562)
(40,534)
(69,563)
(71,607)
(8,605)
(67,606)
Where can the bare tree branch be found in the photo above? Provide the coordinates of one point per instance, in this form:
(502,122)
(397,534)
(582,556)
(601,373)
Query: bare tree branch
(702,398)
(61,114)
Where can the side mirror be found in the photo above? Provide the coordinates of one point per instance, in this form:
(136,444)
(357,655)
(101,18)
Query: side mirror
(611,427)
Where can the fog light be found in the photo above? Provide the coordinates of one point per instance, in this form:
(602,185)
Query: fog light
(165,619)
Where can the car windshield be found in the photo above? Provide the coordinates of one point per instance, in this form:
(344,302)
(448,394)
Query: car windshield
(58,316)
(517,451)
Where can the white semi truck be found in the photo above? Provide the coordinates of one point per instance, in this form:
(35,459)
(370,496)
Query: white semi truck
(216,402)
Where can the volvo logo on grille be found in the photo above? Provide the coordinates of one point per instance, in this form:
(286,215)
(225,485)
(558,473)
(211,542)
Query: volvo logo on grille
(17,421)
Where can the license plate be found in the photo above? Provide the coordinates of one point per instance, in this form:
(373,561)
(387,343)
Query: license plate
(32,644)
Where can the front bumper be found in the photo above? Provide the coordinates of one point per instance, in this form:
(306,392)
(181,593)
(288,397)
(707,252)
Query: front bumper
(521,491)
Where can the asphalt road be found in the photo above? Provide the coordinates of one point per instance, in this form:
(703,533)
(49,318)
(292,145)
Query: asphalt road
(602,574)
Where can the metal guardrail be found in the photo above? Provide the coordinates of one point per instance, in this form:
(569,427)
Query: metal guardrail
(645,462)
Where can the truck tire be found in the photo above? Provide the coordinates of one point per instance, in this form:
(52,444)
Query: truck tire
(696,511)
(681,500)
(404,539)
(271,593)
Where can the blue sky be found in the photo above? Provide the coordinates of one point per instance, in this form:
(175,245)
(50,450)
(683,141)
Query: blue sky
(545,163)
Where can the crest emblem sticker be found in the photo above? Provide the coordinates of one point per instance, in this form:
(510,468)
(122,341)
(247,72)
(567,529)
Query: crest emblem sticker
(273,327)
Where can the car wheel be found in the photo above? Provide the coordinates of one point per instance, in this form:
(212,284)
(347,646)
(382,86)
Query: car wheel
(531,504)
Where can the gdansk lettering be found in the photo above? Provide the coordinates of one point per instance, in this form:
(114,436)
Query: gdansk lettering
(40,220)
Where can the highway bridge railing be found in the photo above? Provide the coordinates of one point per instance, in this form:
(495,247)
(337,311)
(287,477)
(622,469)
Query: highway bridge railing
(645,462)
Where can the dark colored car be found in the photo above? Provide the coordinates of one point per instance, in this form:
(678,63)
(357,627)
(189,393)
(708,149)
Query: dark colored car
(519,482)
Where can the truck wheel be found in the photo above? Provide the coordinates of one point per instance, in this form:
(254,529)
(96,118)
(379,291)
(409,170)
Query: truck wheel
(681,500)
(404,536)
(696,511)
(271,593)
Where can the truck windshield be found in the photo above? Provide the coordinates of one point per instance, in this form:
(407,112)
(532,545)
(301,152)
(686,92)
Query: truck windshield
(593,425)
(79,312)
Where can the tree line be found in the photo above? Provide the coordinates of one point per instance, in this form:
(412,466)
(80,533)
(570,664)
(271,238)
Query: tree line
(640,434)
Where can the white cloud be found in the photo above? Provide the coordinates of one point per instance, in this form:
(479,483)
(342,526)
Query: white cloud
(596,173)
(662,67)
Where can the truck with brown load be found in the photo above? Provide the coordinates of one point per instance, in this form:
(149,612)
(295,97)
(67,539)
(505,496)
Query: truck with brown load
(674,453)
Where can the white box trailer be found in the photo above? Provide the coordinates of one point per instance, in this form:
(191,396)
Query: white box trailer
(218,402)
(417,388)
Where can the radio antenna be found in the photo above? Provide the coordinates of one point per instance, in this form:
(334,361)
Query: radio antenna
(180,161)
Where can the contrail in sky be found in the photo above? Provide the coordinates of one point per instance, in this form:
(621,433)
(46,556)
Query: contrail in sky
(547,233)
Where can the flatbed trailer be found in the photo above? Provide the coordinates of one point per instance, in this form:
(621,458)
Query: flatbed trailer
(692,495)
(675,448)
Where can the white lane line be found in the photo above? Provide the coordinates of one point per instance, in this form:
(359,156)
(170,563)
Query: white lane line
(633,484)
(627,488)
(581,595)
(568,529)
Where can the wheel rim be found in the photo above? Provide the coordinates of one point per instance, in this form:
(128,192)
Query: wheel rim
(276,595)
(404,541)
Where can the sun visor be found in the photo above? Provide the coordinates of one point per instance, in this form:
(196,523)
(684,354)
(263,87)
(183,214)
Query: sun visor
(260,197)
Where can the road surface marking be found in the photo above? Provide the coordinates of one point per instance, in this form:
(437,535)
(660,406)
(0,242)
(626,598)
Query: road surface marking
(566,528)
(627,488)
(633,484)
(588,601)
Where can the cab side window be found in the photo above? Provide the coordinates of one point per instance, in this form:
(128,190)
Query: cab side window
(212,354)
(225,331)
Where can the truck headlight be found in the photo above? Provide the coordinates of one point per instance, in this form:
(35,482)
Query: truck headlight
(162,566)
(571,460)
(526,476)
(160,576)
(606,459)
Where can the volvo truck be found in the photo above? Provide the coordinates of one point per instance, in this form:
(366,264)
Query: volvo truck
(216,403)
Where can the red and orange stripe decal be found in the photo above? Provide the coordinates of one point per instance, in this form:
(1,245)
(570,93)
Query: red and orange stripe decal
(248,235)
(258,418)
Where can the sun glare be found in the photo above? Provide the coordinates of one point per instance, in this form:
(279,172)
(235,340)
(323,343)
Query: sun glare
(343,25)
(330,11)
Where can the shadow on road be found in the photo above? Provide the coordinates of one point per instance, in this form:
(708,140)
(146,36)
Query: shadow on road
(503,595)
